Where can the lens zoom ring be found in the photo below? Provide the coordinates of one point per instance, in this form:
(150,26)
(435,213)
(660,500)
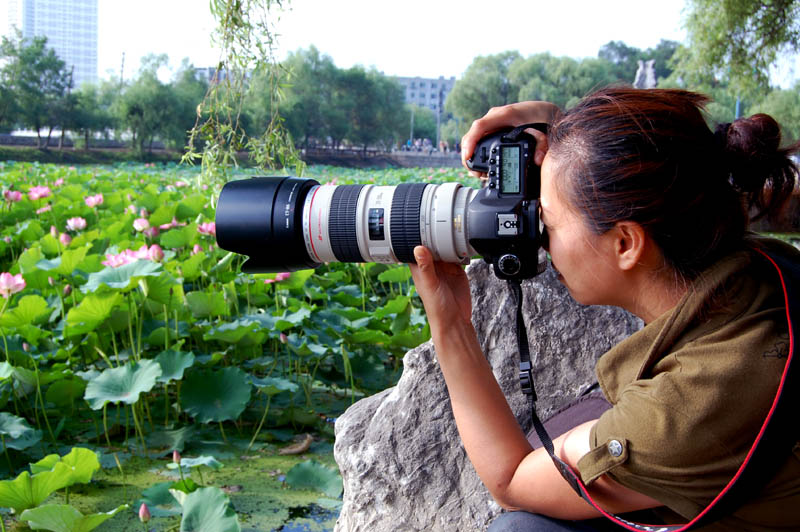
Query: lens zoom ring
(404,220)
(342,223)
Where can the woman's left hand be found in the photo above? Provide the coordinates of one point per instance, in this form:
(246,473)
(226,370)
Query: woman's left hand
(443,288)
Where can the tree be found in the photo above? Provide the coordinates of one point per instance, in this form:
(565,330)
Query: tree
(783,106)
(187,93)
(738,40)
(485,84)
(424,122)
(90,115)
(625,59)
(147,107)
(36,82)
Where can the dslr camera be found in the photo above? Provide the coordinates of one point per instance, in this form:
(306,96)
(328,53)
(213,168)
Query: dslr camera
(292,223)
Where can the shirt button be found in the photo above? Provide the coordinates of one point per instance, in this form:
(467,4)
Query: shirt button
(615,448)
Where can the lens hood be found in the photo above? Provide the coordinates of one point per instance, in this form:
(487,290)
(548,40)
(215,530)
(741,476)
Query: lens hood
(261,217)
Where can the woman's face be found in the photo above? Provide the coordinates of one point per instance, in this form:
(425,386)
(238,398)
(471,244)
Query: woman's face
(583,259)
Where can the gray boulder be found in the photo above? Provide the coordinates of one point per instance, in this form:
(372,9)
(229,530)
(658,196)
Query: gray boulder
(401,459)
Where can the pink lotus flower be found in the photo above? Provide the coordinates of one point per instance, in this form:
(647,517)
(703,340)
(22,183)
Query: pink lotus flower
(65,239)
(181,184)
(94,201)
(141,253)
(197,249)
(39,192)
(155,253)
(12,195)
(282,276)
(151,232)
(115,261)
(140,224)
(172,224)
(143,213)
(60,181)
(144,513)
(209,228)
(67,289)
(131,209)
(11,284)
(176,457)
(76,224)
(54,231)
(44,209)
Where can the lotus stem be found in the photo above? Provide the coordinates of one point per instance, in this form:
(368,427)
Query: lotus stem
(41,399)
(166,405)
(5,450)
(222,430)
(138,427)
(260,424)
(105,423)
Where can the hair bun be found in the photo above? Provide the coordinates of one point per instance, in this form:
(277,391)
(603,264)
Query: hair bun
(754,156)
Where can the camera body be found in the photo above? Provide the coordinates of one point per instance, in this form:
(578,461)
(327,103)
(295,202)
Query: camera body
(290,223)
(503,217)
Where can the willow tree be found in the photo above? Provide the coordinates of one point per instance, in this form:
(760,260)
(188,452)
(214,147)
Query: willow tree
(246,37)
(738,40)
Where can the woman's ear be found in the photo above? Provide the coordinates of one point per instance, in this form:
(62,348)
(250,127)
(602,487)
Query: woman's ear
(630,240)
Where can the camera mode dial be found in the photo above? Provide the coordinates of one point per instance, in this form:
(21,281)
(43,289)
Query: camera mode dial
(509,265)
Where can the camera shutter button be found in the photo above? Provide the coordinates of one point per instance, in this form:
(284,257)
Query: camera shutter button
(509,264)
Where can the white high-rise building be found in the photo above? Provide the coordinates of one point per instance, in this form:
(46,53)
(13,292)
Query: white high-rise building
(69,25)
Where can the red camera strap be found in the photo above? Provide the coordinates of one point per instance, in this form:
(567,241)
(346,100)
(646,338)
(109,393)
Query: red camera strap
(778,435)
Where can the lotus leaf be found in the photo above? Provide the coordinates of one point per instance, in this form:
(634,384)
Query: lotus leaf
(208,461)
(242,331)
(91,312)
(315,476)
(65,518)
(122,384)
(273,385)
(179,238)
(219,395)
(66,263)
(205,304)
(29,310)
(28,491)
(124,277)
(20,433)
(398,274)
(173,364)
(64,392)
(208,510)
(159,500)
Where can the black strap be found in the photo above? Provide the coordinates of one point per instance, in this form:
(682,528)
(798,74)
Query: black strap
(779,432)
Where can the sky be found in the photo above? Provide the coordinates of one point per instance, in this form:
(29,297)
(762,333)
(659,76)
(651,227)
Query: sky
(426,38)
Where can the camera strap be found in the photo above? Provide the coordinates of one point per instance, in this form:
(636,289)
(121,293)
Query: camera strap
(778,435)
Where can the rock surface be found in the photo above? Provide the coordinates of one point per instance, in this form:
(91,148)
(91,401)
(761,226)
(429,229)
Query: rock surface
(401,459)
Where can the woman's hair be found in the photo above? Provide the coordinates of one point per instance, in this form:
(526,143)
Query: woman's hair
(648,156)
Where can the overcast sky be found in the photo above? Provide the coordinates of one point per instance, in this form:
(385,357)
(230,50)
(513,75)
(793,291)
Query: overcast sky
(427,38)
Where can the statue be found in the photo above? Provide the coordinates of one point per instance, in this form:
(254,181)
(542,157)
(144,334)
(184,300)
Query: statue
(645,75)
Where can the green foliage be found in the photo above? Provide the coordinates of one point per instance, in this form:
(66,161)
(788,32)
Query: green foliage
(313,475)
(208,510)
(737,41)
(65,518)
(122,384)
(216,395)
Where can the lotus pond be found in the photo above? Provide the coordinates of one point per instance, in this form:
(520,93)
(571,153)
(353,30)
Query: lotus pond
(142,376)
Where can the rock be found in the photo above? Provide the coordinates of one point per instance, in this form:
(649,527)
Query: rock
(401,459)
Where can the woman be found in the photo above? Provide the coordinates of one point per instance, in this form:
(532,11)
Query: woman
(644,208)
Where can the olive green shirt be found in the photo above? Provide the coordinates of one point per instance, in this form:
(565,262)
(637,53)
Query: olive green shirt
(691,390)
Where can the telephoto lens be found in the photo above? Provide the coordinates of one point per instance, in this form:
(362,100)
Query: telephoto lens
(291,223)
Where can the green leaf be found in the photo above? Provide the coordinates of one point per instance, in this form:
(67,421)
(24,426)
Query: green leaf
(215,395)
(65,518)
(397,274)
(28,311)
(123,278)
(162,215)
(180,237)
(81,463)
(207,304)
(208,461)
(315,476)
(191,267)
(27,491)
(273,385)
(162,289)
(394,306)
(172,440)
(173,364)
(91,312)
(66,263)
(64,392)
(122,384)
(159,500)
(13,426)
(190,206)
(208,510)
(243,332)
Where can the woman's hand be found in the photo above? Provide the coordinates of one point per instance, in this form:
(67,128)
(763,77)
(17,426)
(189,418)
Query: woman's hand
(509,116)
(443,288)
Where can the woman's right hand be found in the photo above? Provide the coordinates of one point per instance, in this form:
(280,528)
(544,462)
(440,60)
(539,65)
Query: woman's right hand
(509,116)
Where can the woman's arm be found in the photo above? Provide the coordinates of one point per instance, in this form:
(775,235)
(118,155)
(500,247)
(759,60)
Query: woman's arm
(517,476)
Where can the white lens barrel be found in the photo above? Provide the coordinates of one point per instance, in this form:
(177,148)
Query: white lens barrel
(442,223)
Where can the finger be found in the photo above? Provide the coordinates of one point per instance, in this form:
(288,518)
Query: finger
(541,145)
